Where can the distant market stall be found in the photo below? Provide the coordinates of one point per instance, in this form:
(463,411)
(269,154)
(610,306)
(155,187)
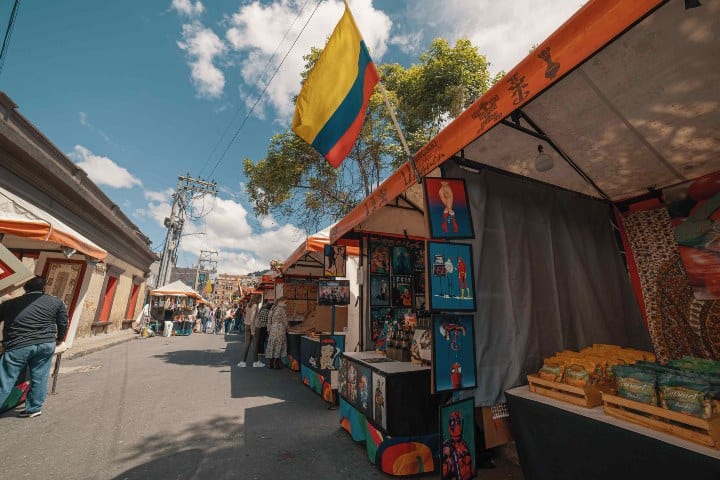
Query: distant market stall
(173,308)
(597,156)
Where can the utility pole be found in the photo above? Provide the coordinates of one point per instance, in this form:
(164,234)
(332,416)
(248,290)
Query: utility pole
(206,264)
(188,189)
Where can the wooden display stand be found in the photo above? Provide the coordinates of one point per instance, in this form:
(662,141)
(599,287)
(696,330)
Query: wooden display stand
(589,396)
(697,430)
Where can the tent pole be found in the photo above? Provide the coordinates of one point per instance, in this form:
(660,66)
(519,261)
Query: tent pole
(418,177)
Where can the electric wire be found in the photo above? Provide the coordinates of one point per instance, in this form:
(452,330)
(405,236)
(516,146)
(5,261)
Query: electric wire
(262,77)
(252,109)
(8,34)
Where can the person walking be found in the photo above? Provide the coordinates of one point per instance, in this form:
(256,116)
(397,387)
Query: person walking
(249,319)
(34,324)
(277,334)
(261,331)
(229,314)
(218,319)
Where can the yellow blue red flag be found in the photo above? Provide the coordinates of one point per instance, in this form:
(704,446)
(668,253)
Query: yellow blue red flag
(330,109)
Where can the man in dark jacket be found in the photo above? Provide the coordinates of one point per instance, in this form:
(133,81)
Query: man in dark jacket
(33,324)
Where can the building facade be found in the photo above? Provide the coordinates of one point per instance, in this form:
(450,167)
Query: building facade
(96,260)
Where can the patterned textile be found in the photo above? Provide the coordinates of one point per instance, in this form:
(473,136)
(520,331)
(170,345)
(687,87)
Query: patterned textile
(277,328)
(679,324)
(500,410)
(263,317)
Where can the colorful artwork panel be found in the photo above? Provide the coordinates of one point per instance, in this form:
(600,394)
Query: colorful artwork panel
(379,400)
(457,440)
(379,258)
(334,260)
(453,347)
(379,290)
(447,208)
(364,402)
(342,376)
(452,286)
(421,348)
(402,291)
(401,260)
(379,317)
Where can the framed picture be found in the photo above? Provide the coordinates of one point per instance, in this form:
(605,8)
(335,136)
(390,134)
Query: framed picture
(378,319)
(289,291)
(342,376)
(402,291)
(331,346)
(421,348)
(419,282)
(301,290)
(447,208)
(379,258)
(399,313)
(451,283)
(401,260)
(417,252)
(378,394)
(352,378)
(333,292)
(363,390)
(457,440)
(334,259)
(379,290)
(453,352)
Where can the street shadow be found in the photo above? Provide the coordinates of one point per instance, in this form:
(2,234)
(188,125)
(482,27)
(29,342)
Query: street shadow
(213,358)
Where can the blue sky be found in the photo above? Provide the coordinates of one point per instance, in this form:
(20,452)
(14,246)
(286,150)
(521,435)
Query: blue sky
(140,92)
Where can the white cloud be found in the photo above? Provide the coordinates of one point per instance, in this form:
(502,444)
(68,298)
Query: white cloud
(102,170)
(163,196)
(84,119)
(503,31)
(257,30)
(408,43)
(203,47)
(187,7)
(226,228)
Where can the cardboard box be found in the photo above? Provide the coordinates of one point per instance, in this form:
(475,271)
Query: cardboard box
(322,320)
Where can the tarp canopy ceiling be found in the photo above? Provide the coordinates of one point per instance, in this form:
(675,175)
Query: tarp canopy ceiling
(628,90)
(23,219)
(176,288)
(313,245)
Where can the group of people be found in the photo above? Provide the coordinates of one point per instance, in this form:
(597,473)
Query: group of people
(266,329)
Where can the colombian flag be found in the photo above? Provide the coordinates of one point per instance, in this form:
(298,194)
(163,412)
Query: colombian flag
(330,109)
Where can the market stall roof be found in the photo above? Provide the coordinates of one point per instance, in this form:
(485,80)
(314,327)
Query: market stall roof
(626,91)
(23,219)
(315,243)
(176,288)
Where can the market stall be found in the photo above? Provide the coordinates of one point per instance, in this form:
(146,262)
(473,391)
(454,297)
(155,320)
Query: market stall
(319,283)
(173,307)
(571,146)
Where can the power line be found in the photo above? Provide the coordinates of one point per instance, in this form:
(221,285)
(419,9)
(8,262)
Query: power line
(8,34)
(262,76)
(237,132)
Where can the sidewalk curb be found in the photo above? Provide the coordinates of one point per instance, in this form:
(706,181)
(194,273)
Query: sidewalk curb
(69,355)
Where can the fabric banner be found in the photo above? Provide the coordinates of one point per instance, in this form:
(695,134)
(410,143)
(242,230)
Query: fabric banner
(549,277)
(679,323)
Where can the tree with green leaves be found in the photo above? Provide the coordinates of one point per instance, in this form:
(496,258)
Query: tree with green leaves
(295,183)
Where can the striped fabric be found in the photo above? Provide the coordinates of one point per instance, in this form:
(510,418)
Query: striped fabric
(330,109)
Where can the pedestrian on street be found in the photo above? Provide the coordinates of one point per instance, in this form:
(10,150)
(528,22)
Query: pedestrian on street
(261,331)
(34,324)
(277,334)
(218,319)
(229,314)
(238,317)
(250,317)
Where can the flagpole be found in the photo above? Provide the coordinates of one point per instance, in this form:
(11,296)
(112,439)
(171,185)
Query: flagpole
(399,132)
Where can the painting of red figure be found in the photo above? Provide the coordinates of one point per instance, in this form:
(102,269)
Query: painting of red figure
(694,209)
(447,207)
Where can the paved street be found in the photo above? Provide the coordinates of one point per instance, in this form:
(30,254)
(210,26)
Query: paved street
(180,408)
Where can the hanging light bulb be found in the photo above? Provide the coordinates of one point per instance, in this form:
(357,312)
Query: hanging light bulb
(543,161)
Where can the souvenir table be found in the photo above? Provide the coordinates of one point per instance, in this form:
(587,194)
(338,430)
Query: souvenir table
(559,440)
(319,362)
(388,405)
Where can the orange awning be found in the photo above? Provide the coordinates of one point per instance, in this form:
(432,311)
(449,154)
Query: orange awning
(316,243)
(595,25)
(23,219)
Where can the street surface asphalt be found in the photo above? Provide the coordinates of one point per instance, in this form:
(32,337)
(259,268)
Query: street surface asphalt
(180,408)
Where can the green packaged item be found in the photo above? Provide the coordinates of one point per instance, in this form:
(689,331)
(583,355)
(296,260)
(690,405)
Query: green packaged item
(636,383)
(685,394)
